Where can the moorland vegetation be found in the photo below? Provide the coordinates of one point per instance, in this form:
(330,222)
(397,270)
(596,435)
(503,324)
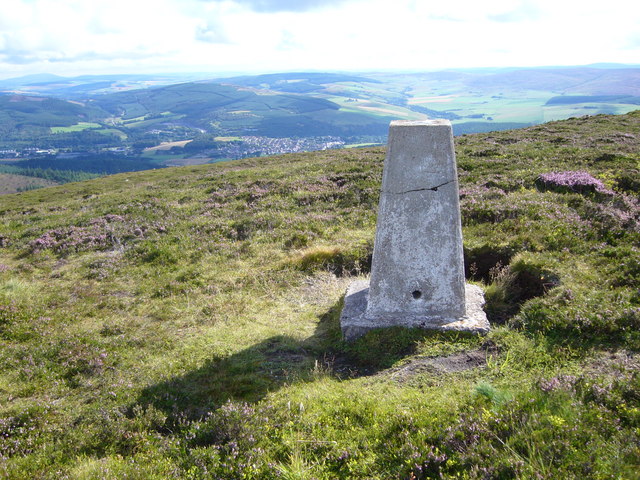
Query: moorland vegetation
(183,322)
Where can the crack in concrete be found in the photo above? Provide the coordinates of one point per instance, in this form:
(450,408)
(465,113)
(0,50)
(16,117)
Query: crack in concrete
(433,189)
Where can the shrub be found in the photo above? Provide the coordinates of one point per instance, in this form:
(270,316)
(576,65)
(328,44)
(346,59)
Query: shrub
(571,181)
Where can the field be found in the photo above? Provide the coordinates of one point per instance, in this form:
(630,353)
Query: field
(113,131)
(75,128)
(378,108)
(498,97)
(183,322)
(167,146)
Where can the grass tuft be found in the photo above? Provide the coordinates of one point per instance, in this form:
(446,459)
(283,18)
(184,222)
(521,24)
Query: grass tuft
(339,261)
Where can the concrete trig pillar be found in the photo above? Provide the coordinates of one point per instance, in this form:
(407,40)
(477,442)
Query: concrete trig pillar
(417,275)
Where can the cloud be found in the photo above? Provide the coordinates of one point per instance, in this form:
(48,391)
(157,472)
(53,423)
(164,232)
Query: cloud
(288,5)
(522,13)
(61,36)
(288,41)
(73,31)
(17,58)
(25,46)
(212,32)
(632,42)
(93,56)
(25,57)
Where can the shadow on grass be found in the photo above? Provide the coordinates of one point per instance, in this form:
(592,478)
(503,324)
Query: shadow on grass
(267,366)
(247,375)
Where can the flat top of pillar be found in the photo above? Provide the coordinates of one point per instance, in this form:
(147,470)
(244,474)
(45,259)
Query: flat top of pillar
(419,123)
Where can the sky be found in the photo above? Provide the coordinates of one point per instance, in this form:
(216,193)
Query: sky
(71,37)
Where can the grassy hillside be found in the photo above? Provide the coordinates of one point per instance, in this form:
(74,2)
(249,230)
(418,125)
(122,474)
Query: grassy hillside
(11,183)
(183,323)
(30,112)
(234,109)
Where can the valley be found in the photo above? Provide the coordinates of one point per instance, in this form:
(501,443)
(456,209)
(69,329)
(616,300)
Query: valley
(157,121)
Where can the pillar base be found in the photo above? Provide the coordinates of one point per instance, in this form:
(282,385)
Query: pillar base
(355,321)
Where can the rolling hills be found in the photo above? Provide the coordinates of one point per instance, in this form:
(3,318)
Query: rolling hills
(183,322)
(19,112)
(231,110)
(314,103)
(217,109)
(130,119)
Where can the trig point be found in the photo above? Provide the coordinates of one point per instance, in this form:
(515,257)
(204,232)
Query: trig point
(417,272)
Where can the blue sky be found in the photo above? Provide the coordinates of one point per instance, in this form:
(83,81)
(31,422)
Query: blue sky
(70,37)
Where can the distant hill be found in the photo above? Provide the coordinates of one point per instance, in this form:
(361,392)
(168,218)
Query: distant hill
(235,117)
(296,82)
(576,99)
(239,111)
(42,78)
(571,80)
(20,111)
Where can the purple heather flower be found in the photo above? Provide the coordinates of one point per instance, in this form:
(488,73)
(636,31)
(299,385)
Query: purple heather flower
(577,181)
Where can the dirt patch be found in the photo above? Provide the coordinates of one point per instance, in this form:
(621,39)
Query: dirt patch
(456,362)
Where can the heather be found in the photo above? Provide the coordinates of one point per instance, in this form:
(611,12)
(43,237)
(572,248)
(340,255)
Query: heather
(183,323)
(579,181)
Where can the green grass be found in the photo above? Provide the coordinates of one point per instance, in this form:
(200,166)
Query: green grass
(359,145)
(75,128)
(128,121)
(113,131)
(153,121)
(183,322)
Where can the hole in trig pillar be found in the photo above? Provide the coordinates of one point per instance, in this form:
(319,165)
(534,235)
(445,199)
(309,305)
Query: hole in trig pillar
(416,294)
